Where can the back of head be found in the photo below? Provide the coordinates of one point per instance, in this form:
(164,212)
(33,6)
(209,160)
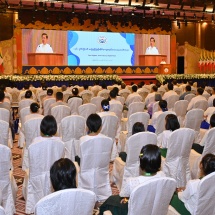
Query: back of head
(188,88)
(63,88)
(26,86)
(85,86)
(154,88)
(94,123)
(208,164)
(2,95)
(212,121)
(123,86)
(163,105)
(174,82)
(2,87)
(138,127)
(59,96)
(34,107)
(116,89)
(150,159)
(113,94)
(75,91)
(170,86)
(96,82)
(172,122)
(134,88)
(105,105)
(200,91)
(63,174)
(104,86)
(28,94)
(48,126)
(49,92)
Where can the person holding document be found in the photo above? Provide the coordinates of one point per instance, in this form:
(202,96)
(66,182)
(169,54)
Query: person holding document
(44,47)
(152,49)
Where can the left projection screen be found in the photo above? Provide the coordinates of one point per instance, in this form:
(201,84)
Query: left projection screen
(100,48)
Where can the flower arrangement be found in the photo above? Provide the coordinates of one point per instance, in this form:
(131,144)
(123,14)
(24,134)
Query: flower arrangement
(20,78)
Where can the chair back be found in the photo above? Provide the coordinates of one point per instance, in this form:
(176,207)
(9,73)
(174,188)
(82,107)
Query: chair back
(143,94)
(25,103)
(97,101)
(206,198)
(59,112)
(72,129)
(160,126)
(109,126)
(136,98)
(209,146)
(125,94)
(23,113)
(98,152)
(161,191)
(15,96)
(66,95)
(74,103)
(121,99)
(4,128)
(117,109)
(86,109)
(87,97)
(188,97)
(176,164)
(104,95)
(5,164)
(155,107)
(4,114)
(136,107)
(201,104)
(171,100)
(2,211)
(180,108)
(67,202)
(138,117)
(46,105)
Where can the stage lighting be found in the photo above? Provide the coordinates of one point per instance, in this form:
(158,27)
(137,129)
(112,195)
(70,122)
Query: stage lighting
(163,13)
(7,4)
(45,7)
(73,8)
(35,6)
(194,15)
(132,13)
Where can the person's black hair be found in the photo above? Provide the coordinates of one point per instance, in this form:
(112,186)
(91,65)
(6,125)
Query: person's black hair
(158,97)
(208,164)
(200,90)
(188,88)
(171,122)
(212,121)
(213,102)
(48,126)
(28,94)
(190,83)
(170,86)
(59,96)
(94,123)
(44,34)
(26,86)
(104,86)
(85,86)
(116,89)
(154,87)
(164,82)
(163,105)
(2,95)
(139,85)
(152,38)
(63,174)
(44,87)
(34,107)
(113,94)
(134,88)
(63,88)
(123,86)
(75,91)
(49,92)
(2,87)
(174,82)
(138,127)
(150,159)
(132,83)
(105,105)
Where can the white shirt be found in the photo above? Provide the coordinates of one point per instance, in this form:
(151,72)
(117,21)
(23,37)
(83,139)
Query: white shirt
(133,182)
(152,50)
(154,118)
(194,100)
(210,100)
(163,139)
(209,112)
(190,194)
(44,48)
(32,116)
(106,113)
(130,98)
(150,98)
(114,101)
(88,137)
(168,94)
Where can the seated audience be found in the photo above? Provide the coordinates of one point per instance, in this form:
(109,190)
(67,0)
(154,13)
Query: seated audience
(187,91)
(184,201)
(151,104)
(105,109)
(75,92)
(150,163)
(208,113)
(211,98)
(151,96)
(35,109)
(170,91)
(113,95)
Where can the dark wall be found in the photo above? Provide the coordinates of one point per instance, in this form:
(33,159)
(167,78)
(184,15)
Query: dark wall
(209,37)
(6,26)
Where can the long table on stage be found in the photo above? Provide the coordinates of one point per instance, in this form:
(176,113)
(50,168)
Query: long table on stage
(45,59)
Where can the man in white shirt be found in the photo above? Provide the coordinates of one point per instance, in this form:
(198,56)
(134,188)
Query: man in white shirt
(170,91)
(151,96)
(44,47)
(211,98)
(152,49)
(198,97)
(133,96)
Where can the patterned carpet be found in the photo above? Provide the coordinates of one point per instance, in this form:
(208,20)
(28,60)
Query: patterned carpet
(19,176)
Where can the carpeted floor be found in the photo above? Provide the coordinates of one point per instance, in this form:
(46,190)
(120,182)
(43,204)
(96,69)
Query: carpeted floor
(19,176)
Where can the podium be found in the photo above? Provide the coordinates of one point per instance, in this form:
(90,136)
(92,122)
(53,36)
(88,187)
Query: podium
(45,59)
(151,60)
(165,69)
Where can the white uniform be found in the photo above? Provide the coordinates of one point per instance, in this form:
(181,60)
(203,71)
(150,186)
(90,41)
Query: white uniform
(152,50)
(44,48)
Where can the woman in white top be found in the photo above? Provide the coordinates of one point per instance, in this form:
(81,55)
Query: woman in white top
(105,111)
(163,139)
(208,113)
(150,163)
(185,201)
(35,112)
